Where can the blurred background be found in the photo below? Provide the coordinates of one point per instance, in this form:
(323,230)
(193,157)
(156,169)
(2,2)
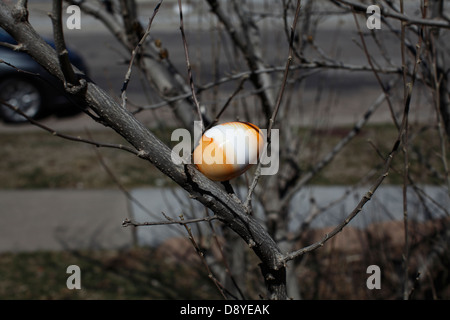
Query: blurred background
(64,202)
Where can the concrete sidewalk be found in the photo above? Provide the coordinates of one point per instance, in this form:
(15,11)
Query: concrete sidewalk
(68,219)
(80,219)
(63,219)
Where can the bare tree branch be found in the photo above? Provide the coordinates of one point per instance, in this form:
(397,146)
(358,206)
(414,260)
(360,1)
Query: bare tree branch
(341,144)
(219,286)
(251,52)
(241,26)
(128,222)
(149,147)
(69,137)
(377,76)
(392,14)
(387,166)
(60,45)
(272,119)
(189,68)
(135,52)
(313,64)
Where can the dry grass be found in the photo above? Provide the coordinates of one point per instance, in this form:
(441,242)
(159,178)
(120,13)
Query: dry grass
(336,271)
(39,160)
(142,273)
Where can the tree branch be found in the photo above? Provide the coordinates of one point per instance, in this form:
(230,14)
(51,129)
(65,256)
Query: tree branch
(379,181)
(229,210)
(135,52)
(69,137)
(60,45)
(396,15)
(312,64)
(128,222)
(246,45)
(337,148)
(189,68)
(272,119)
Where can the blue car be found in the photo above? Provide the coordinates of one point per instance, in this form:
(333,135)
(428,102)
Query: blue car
(36,96)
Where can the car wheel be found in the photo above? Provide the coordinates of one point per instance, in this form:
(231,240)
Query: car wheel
(23,94)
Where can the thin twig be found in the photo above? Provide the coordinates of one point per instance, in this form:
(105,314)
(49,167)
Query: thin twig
(219,286)
(404,133)
(337,148)
(246,39)
(416,282)
(317,210)
(227,103)
(313,64)
(18,69)
(439,120)
(377,76)
(405,168)
(224,260)
(122,188)
(106,18)
(189,68)
(127,222)
(68,137)
(421,194)
(366,198)
(286,72)
(15,47)
(361,7)
(134,54)
(60,46)
(247,203)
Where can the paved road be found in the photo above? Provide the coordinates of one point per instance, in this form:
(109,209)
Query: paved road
(74,219)
(62,219)
(345,97)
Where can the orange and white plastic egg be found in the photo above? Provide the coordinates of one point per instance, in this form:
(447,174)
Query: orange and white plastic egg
(228,150)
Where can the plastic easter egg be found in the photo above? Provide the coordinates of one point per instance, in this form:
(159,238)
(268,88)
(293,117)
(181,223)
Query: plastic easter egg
(228,150)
